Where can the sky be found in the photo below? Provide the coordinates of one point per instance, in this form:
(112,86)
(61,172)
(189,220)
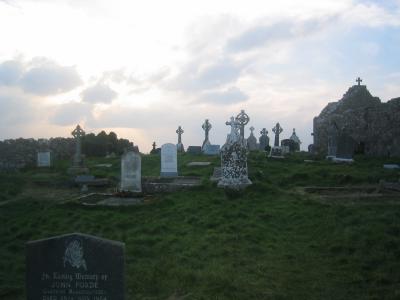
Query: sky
(143,68)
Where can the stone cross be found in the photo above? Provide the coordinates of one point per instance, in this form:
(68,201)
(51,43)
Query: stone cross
(154,146)
(242,119)
(78,133)
(264,131)
(358,80)
(179,131)
(277,130)
(251,130)
(206,127)
(234,129)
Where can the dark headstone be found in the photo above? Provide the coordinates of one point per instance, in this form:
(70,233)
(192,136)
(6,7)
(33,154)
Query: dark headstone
(292,145)
(75,266)
(194,150)
(211,149)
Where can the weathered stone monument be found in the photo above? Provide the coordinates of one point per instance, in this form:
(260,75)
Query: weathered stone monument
(179,146)
(196,150)
(242,119)
(374,126)
(77,163)
(234,159)
(264,140)
(206,127)
(44,159)
(296,140)
(169,160)
(75,266)
(155,150)
(131,172)
(252,141)
(276,150)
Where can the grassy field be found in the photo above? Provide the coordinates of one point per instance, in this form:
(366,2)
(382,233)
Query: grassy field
(272,241)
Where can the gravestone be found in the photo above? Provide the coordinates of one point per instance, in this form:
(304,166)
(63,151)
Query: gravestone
(290,146)
(75,266)
(131,172)
(296,141)
(44,159)
(77,163)
(194,150)
(206,127)
(276,150)
(169,160)
(234,159)
(242,119)
(252,141)
(264,140)
(211,149)
(179,146)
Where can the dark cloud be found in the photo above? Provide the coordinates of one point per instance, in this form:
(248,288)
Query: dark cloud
(71,113)
(50,79)
(229,96)
(99,93)
(10,72)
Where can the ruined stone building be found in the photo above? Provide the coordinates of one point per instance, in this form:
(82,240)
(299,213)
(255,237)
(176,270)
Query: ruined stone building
(359,122)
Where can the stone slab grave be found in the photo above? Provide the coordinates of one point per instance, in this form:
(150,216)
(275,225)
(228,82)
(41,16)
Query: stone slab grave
(276,152)
(131,168)
(217,174)
(391,166)
(194,150)
(152,185)
(211,149)
(198,163)
(169,160)
(75,266)
(44,159)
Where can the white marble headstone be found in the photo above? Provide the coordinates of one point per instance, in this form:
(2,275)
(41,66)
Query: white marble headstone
(44,159)
(131,168)
(169,160)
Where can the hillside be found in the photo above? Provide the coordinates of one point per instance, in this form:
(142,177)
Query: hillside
(275,240)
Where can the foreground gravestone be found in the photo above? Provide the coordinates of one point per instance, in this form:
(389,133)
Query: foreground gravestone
(44,159)
(169,160)
(75,267)
(131,168)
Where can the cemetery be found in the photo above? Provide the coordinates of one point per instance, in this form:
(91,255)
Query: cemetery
(249,221)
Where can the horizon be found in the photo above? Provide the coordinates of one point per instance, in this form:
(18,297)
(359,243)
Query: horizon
(143,69)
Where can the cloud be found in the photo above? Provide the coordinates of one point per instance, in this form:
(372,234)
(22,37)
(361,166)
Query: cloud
(16,108)
(197,76)
(10,72)
(49,79)
(71,113)
(99,93)
(232,95)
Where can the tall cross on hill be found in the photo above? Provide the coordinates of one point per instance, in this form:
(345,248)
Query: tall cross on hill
(358,80)
(243,119)
(179,131)
(277,130)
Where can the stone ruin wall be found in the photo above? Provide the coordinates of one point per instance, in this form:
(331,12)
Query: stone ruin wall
(373,125)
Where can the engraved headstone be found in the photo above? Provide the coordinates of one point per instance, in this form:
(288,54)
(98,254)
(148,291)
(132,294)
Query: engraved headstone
(44,159)
(169,160)
(234,160)
(252,141)
(131,168)
(75,266)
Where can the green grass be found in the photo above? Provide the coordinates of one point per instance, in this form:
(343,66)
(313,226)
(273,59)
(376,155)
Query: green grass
(268,242)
